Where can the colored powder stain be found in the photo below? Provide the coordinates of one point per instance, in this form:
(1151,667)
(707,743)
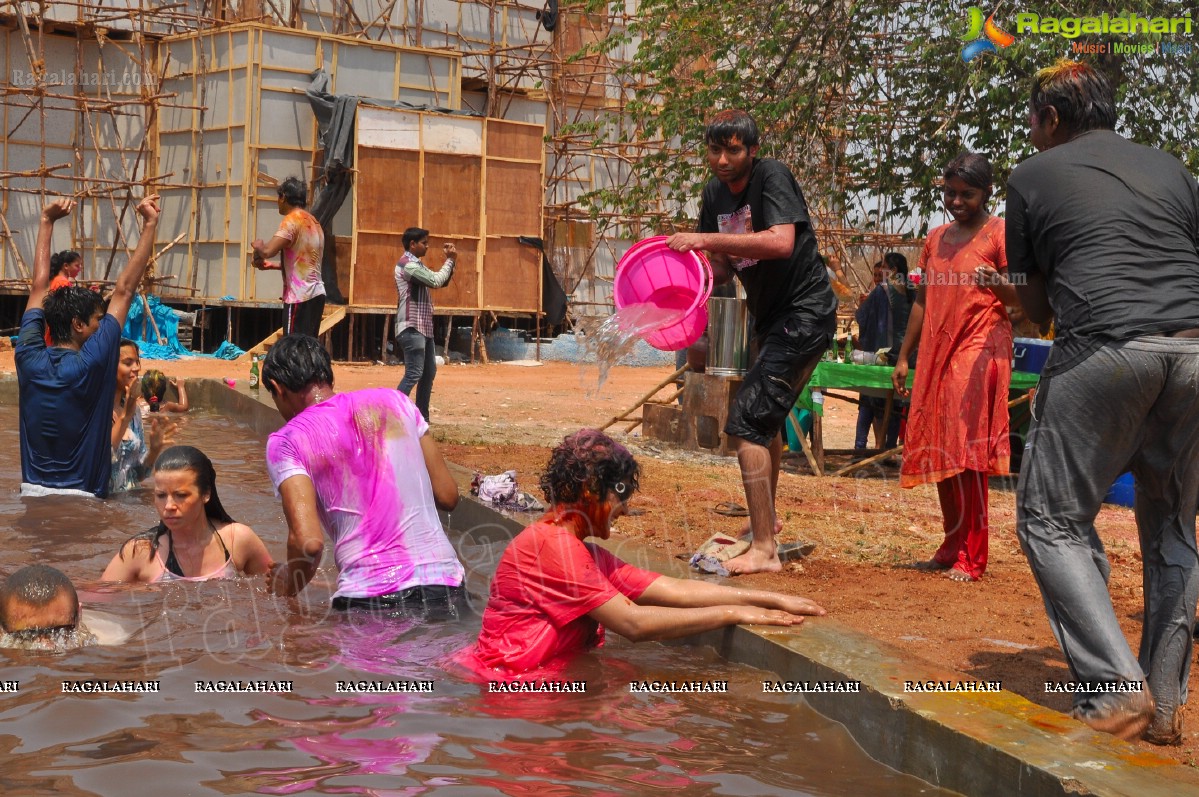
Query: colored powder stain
(1147,760)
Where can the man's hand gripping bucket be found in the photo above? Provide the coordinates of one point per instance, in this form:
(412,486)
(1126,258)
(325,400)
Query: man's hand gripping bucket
(675,284)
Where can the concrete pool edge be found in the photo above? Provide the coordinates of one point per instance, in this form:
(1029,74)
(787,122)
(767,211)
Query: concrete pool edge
(976,744)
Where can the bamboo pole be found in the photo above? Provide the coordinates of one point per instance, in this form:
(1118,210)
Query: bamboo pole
(638,421)
(848,469)
(646,397)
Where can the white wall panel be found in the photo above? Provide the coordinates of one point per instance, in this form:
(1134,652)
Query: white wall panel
(452,134)
(286,50)
(286,120)
(379,127)
(365,71)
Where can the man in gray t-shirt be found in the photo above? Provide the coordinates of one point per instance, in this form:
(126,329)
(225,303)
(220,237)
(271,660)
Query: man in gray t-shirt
(1105,234)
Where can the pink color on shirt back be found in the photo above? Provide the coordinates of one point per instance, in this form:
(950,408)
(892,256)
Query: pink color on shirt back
(362,451)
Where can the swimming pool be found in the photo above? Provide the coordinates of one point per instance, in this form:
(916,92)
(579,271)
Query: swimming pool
(457,739)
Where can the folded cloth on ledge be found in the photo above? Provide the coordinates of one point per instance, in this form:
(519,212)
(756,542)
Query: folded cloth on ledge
(501,491)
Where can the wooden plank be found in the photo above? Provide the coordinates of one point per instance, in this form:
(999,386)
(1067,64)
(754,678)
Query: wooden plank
(463,290)
(506,139)
(514,198)
(511,276)
(333,315)
(450,197)
(374,269)
(386,197)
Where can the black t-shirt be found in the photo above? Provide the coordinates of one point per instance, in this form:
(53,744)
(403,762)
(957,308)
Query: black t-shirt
(797,285)
(1114,228)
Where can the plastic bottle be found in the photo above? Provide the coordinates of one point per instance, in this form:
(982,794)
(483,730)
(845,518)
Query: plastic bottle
(253,371)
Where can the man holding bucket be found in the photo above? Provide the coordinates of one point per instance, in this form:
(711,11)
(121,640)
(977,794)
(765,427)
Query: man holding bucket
(1106,234)
(754,223)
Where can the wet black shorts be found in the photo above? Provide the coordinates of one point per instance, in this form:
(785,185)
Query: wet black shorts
(786,358)
(432,601)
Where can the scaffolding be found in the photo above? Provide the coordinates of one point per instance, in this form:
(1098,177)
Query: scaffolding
(84,101)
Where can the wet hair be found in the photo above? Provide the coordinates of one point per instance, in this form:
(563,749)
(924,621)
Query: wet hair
(296,362)
(973,169)
(294,192)
(131,343)
(64,305)
(154,388)
(589,462)
(896,263)
(727,125)
(35,585)
(60,260)
(412,235)
(178,458)
(1082,96)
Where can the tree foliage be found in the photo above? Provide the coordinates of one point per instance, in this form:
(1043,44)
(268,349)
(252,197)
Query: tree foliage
(865,101)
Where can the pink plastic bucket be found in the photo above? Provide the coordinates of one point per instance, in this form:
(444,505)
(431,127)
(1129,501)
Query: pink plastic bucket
(652,273)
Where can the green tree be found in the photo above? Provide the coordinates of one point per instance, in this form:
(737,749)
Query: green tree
(865,101)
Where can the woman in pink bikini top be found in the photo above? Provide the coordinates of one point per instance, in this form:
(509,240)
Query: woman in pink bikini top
(195,539)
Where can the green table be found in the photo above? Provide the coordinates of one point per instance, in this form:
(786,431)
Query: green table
(866,378)
(869,380)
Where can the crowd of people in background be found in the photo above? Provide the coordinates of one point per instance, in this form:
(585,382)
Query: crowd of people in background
(1103,233)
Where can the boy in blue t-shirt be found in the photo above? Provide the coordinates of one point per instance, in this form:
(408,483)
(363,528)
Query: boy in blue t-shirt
(66,389)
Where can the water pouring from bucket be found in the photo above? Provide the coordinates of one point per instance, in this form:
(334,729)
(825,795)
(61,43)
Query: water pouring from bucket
(661,295)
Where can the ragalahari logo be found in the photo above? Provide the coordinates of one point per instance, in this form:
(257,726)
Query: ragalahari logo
(983,36)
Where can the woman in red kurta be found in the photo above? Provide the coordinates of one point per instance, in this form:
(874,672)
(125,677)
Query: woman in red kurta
(553,594)
(957,432)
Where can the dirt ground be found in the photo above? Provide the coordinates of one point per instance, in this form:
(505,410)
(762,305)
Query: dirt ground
(497,417)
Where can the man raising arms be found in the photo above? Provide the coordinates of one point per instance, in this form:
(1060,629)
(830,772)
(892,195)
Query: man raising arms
(754,221)
(66,389)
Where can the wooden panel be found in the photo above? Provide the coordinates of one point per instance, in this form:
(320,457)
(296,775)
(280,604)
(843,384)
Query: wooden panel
(386,189)
(374,269)
(511,276)
(463,291)
(509,140)
(451,195)
(344,253)
(513,198)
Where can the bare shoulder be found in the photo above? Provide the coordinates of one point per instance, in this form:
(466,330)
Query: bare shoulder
(132,562)
(236,533)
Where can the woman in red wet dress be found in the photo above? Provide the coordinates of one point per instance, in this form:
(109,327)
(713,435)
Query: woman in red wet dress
(957,433)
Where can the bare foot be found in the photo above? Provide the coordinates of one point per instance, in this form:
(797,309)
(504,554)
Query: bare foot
(953,574)
(931,566)
(755,560)
(1126,719)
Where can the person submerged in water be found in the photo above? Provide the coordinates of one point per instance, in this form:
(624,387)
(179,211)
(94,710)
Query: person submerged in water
(154,391)
(39,608)
(195,539)
(553,594)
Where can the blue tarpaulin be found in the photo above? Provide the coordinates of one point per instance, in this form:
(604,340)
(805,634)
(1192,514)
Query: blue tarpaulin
(167,321)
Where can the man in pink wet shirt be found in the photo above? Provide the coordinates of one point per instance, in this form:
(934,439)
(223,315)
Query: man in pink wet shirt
(362,467)
(302,241)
